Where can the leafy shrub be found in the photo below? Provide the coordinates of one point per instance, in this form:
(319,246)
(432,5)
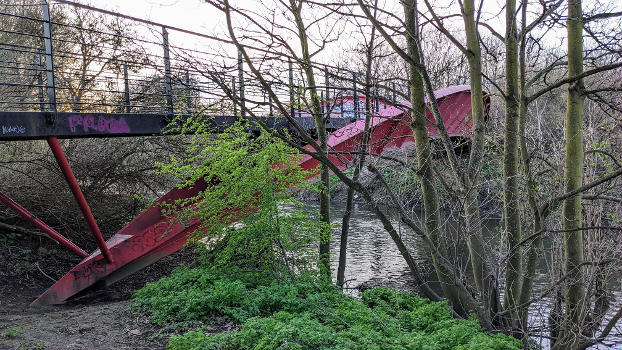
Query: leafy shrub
(248,178)
(244,174)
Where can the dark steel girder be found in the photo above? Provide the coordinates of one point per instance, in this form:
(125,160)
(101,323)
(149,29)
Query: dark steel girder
(41,125)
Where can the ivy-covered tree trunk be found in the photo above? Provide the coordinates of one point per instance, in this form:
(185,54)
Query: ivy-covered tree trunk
(320,126)
(510,163)
(573,175)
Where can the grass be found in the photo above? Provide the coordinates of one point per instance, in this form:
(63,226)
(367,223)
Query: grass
(12,332)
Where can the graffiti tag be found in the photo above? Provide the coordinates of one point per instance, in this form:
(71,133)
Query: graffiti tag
(13,129)
(101,124)
(97,268)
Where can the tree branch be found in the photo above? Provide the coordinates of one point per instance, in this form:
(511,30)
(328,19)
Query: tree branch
(556,201)
(573,79)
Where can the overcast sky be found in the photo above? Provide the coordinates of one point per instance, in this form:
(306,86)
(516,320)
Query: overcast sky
(198,16)
(188,14)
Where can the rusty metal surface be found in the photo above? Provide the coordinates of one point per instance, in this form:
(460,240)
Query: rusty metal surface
(148,233)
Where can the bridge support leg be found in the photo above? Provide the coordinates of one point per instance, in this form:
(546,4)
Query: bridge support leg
(77,193)
(42,225)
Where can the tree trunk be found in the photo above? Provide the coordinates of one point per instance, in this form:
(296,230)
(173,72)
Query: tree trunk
(424,159)
(320,126)
(510,164)
(529,272)
(573,175)
(345,224)
(485,281)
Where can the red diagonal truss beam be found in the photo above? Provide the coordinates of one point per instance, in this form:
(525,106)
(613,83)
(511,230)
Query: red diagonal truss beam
(42,225)
(77,193)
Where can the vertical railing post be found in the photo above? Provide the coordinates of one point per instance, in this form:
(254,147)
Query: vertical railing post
(126,85)
(241,84)
(291,89)
(327,82)
(188,94)
(49,62)
(377,95)
(355,97)
(342,96)
(372,92)
(235,97)
(327,88)
(299,88)
(167,72)
(40,83)
(394,97)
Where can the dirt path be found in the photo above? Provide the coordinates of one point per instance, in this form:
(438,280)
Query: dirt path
(99,325)
(99,319)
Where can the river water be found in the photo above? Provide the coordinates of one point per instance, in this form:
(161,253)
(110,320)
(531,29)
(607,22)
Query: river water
(373,259)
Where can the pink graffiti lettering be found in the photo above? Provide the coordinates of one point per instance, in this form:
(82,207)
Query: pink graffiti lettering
(101,124)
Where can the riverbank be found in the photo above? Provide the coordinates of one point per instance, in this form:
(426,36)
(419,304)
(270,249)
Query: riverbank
(373,260)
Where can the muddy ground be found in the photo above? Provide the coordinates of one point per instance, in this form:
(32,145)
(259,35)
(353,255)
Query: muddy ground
(98,325)
(98,319)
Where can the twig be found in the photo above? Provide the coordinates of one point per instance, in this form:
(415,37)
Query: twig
(22,230)
(44,274)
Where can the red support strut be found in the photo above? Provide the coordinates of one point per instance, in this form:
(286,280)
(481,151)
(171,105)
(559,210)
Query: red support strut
(42,225)
(77,193)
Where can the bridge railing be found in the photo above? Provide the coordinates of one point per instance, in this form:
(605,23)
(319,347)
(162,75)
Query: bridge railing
(76,59)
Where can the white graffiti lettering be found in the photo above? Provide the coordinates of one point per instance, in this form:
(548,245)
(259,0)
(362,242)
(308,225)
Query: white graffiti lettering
(13,129)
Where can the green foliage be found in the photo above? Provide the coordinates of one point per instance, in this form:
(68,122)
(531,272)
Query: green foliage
(269,243)
(9,237)
(305,313)
(491,170)
(249,179)
(243,173)
(335,181)
(12,332)
(399,178)
(31,346)
(197,294)
(23,259)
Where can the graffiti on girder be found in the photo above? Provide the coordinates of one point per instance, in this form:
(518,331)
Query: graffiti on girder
(88,123)
(13,129)
(95,268)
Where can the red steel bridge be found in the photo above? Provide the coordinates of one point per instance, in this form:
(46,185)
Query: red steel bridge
(76,72)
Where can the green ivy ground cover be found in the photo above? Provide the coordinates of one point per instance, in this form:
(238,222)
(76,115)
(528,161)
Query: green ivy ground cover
(306,314)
